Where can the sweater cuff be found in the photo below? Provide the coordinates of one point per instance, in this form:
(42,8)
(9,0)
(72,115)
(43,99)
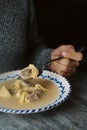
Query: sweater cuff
(41,58)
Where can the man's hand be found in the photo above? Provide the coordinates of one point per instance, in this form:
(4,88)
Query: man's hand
(67,65)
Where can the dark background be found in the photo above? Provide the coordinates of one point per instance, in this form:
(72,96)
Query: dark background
(62,21)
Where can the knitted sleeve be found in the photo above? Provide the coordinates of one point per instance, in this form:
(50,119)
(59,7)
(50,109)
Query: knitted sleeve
(41,56)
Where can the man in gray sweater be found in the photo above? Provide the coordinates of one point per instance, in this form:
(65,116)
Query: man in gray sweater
(20,45)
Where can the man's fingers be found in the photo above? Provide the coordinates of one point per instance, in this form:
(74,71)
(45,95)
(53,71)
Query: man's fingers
(63,48)
(68,62)
(57,67)
(73,55)
(66,68)
(71,47)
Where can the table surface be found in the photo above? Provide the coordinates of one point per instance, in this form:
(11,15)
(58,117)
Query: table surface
(71,115)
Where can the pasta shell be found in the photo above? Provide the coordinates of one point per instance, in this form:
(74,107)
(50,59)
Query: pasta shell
(29,72)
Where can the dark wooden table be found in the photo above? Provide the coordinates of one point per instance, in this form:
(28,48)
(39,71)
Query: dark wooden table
(71,115)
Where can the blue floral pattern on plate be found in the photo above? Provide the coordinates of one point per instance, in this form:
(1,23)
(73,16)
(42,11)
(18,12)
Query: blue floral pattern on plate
(63,84)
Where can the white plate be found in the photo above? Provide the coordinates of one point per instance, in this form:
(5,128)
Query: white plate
(63,84)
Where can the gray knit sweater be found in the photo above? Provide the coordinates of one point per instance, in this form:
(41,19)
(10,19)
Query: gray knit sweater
(19,42)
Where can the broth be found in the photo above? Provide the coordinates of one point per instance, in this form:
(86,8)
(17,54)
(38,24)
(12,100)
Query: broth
(50,96)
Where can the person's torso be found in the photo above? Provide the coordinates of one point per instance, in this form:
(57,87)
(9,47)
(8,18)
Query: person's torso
(13,33)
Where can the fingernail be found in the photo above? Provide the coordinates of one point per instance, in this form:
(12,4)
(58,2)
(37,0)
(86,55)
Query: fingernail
(64,53)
